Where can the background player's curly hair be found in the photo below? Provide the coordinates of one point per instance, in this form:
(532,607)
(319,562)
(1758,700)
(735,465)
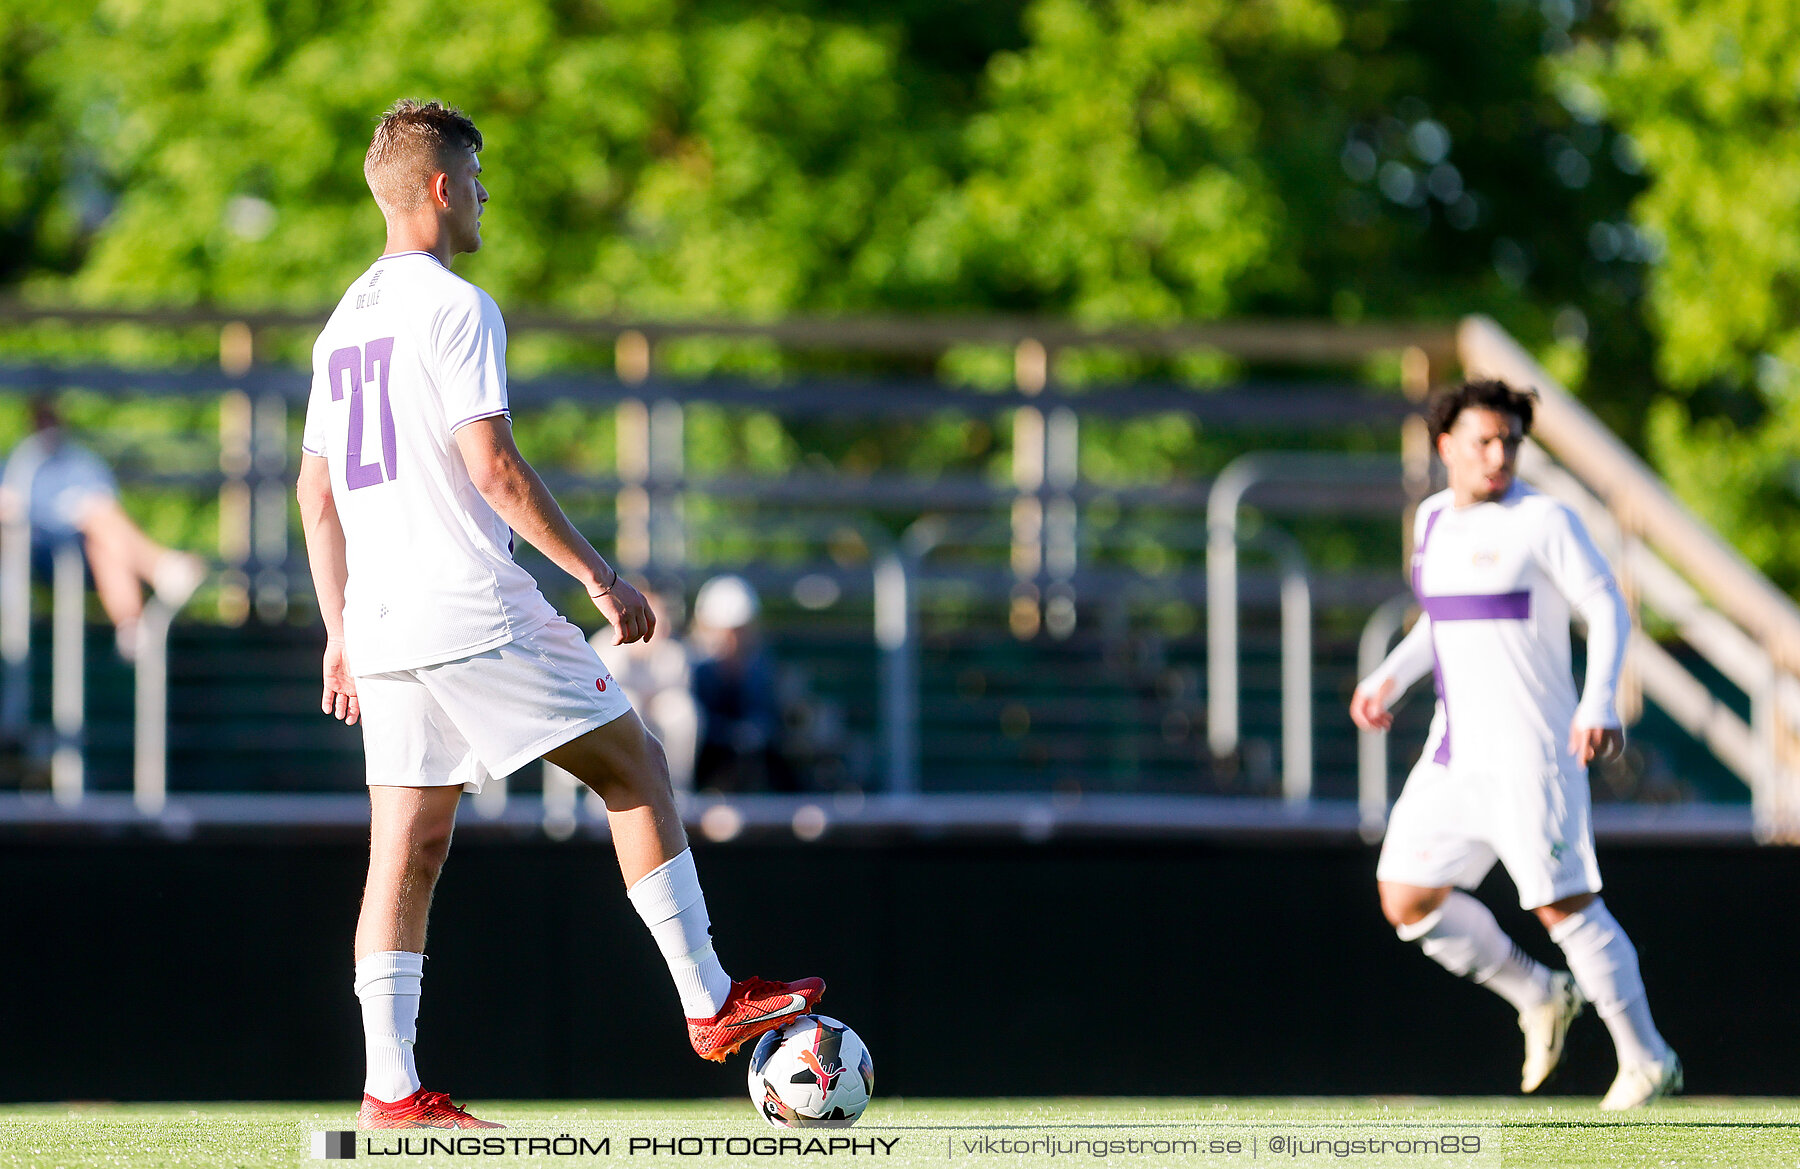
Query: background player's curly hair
(414,141)
(1441,411)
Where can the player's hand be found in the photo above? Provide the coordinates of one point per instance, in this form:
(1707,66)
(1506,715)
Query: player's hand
(1590,743)
(630,614)
(339,700)
(1368,706)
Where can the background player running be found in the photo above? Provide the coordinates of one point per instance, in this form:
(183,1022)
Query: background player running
(458,668)
(1497,569)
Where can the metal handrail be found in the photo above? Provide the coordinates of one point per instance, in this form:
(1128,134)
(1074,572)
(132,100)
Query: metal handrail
(1762,652)
(68,652)
(68,629)
(1293,342)
(1222,505)
(896,637)
(1745,749)
(15,585)
(150,714)
(68,672)
(1637,497)
(1371,746)
(1296,662)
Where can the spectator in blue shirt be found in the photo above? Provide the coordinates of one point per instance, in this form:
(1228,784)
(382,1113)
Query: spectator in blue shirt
(68,494)
(735,689)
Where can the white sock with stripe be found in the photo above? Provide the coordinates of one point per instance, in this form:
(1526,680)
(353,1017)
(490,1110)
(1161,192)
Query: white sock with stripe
(1605,966)
(669,900)
(387,983)
(1462,936)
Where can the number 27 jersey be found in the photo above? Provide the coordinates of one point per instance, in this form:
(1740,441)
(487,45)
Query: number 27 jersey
(411,354)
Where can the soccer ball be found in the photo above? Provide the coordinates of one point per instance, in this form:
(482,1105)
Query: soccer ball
(812,1073)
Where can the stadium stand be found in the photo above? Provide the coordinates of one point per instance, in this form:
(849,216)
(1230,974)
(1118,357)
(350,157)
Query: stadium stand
(1015,630)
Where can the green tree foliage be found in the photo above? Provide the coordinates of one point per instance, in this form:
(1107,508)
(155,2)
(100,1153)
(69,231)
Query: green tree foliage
(1113,173)
(48,193)
(1113,160)
(1709,94)
(681,159)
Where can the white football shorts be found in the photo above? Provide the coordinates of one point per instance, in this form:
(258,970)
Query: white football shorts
(486,715)
(1448,828)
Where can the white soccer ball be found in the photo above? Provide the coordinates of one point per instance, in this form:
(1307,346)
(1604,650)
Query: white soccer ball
(812,1073)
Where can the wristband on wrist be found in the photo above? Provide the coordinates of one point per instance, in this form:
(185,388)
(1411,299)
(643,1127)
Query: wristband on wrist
(606,590)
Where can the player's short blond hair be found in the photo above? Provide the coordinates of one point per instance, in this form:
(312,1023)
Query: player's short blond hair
(414,142)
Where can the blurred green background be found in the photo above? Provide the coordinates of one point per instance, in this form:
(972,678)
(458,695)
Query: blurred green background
(1616,182)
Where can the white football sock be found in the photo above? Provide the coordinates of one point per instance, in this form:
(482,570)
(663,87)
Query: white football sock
(387,983)
(1462,936)
(669,900)
(1605,966)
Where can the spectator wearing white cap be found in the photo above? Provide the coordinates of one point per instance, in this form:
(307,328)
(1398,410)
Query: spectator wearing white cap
(734,688)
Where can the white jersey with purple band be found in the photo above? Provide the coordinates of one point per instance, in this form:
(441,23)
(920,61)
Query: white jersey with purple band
(412,353)
(1497,582)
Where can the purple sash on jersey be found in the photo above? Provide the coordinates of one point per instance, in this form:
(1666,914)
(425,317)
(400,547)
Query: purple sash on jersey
(1479,607)
(1442,756)
(1418,560)
(1460,607)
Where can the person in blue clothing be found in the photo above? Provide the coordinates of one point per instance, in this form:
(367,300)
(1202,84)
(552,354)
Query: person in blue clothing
(68,494)
(735,689)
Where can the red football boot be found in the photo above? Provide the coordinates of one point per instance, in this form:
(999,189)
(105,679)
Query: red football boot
(422,1109)
(754,1005)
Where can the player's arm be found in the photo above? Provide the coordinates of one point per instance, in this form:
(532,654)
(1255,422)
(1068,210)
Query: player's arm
(1405,664)
(330,571)
(1596,730)
(520,498)
(1568,555)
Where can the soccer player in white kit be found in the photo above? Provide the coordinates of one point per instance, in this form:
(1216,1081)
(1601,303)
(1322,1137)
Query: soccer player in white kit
(459,670)
(1497,568)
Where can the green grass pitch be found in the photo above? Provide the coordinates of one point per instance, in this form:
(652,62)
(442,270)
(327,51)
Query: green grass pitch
(906,1133)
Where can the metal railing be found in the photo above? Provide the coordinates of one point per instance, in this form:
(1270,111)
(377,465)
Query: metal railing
(893,569)
(1684,572)
(1371,746)
(68,656)
(1223,503)
(1670,561)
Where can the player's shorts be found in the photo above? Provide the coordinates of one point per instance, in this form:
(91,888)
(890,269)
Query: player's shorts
(1447,828)
(487,715)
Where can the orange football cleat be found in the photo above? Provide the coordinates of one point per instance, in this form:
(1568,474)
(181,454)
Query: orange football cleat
(754,1005)
(422,1109)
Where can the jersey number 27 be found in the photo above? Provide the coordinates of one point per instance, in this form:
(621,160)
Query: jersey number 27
(351,369)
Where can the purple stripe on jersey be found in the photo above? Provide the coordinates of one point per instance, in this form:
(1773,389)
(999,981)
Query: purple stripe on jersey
(478,417)
(1418,560)
(1442,756)
(1479,607)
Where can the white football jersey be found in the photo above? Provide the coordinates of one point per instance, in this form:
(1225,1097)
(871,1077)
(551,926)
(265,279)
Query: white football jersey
(1497,581)
(412,353)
